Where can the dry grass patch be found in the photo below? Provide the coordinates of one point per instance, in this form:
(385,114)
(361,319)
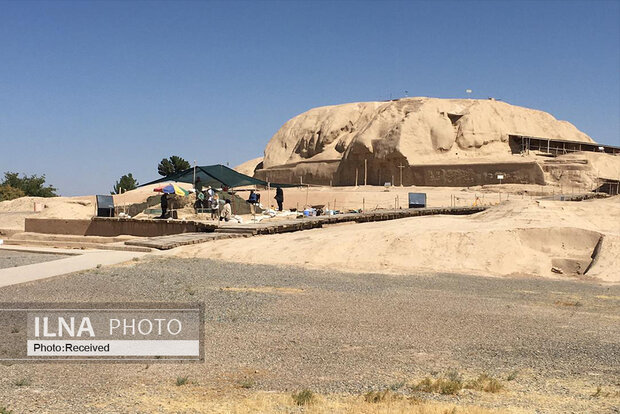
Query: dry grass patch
(181,381)
(193,398)
(448,384)
(485,383)
(574,303)
(22,382)
(305,397)
(601,393)
(452,382)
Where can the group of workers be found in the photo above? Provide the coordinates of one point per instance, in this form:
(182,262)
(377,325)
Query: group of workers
(254,199)
(207,198)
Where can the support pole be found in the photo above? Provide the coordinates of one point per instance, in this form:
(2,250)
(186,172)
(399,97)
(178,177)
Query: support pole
(269,194)
(365,171)
(400,167)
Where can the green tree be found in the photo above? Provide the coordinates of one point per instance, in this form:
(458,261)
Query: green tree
(127,182)
(172,165)
(33,186)
(9,193)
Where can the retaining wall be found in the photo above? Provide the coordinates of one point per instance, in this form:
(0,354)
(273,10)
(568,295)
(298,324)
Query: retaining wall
(108,227)
(380,171)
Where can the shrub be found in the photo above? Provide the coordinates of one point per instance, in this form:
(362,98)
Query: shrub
(304,397)
(485,383)
(450,384)
(386,395)
(247,383)
(22,382)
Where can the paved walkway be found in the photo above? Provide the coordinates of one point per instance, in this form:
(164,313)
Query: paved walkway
(74,262)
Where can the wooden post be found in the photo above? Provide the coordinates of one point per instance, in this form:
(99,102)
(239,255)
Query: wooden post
(363,204)
(356,171)
(194,173)
(269,194)
(400,167)
(365,171)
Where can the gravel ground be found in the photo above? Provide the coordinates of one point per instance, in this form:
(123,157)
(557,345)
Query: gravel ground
(292,328)
(14,258)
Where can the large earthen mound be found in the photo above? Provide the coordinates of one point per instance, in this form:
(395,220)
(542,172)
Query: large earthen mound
(335,144)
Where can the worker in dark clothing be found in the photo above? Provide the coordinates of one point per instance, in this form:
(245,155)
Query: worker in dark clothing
(279,197)
(198,185)
(164,206)
(253,201)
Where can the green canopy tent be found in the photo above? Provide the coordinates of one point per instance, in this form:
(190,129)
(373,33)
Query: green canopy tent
(215,176)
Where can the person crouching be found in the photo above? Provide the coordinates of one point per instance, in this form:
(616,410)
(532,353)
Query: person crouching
(226,213)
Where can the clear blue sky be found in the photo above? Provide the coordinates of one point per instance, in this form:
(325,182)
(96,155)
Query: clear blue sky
(92,90)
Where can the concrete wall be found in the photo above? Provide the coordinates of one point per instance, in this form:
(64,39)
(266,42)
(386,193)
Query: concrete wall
(108,227)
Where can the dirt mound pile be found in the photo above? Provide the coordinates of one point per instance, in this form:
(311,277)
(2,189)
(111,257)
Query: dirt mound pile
(14,212)
(519,237)
(336,143)
(249,167)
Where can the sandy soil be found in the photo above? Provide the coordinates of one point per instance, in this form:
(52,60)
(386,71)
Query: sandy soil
(520,237)
(13,212)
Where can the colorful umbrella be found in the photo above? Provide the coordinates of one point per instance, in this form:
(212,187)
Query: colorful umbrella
(172,189)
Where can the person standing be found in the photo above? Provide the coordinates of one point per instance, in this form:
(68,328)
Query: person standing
(215,207)
(279,197)
(200,201)
(253,200)
(164,205)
